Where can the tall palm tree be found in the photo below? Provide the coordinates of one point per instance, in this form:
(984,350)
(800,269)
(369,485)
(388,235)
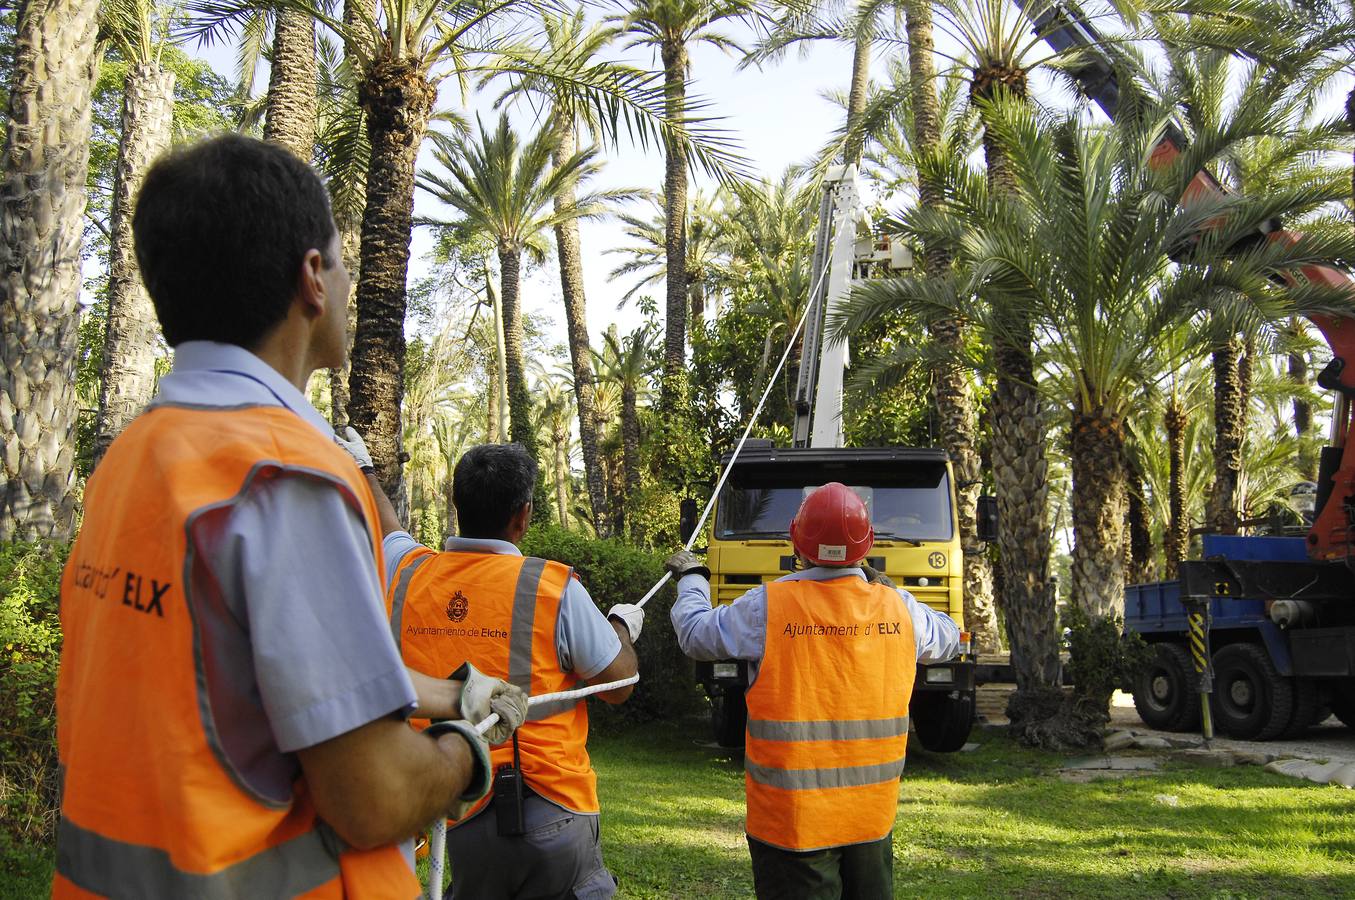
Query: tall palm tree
(628,363)
(138,28)
(673,27)
(556,410)
(1079,249)
(290,114)
(567,36)
(402,54)
(508,190)
(46,163)
(648,256)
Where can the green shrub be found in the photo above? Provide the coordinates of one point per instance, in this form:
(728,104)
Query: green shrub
(1101,659)
(30,637)
(615,572)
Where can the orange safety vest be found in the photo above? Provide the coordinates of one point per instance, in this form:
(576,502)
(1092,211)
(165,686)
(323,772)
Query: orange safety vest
(499,612)
(828,714)
(151,806)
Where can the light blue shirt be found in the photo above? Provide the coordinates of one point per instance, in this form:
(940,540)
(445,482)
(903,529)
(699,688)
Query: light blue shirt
(738,630)
(295,645)
(585,642)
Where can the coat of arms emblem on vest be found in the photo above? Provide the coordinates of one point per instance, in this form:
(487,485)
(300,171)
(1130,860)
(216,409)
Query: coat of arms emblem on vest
(457,607)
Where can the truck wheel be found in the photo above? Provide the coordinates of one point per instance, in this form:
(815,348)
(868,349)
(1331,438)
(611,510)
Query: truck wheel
(1167,691)
(1251,701)
(941,721)
(1343,701)
(729,716)
(1307,703)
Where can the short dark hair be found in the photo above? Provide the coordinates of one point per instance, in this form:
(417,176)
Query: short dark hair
(221,228)
(491,484)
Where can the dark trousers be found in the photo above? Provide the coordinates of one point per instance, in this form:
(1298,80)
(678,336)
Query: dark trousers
(856,872)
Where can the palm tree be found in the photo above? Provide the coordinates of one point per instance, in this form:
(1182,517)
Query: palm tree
(705,245)
(402,54)
(567,36)
(138,29)
(628,363)
(555,409)
(46,163)
(673,27)
(507,190)
(291,109)
(1079,250)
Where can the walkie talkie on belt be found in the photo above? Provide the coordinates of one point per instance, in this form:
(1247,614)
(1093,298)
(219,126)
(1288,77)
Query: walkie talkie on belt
(508,793)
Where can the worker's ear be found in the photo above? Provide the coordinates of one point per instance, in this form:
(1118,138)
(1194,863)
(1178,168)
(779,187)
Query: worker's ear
(522,519)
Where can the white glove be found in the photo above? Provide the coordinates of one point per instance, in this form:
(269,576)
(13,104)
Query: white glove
(480,779)
(482,695)
(632,616)
(352,442)
(685,562)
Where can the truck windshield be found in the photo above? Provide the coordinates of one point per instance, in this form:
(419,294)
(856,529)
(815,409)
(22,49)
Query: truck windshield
(912,504)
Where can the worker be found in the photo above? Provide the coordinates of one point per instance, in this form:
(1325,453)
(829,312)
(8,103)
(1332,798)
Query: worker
(532,622)
(230,704)
(831,658)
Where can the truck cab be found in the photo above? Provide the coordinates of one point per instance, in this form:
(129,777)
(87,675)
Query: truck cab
(910,494)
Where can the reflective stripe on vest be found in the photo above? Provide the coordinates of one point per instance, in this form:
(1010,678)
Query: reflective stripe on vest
(828,714)
(500,612)
(151,803)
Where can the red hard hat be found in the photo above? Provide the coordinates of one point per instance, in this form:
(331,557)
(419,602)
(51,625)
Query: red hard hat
(832,527)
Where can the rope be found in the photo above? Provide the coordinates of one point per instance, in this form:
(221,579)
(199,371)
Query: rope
(748,429)
(437,852)
(438,849)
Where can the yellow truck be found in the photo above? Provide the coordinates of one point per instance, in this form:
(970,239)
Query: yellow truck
(910,494)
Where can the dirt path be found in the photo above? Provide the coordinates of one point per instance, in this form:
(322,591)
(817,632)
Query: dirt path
(1329,740)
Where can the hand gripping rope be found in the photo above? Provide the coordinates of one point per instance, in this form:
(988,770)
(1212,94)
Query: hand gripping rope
(438,837)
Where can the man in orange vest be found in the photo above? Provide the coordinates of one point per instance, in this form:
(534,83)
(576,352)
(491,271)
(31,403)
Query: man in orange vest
(230,706)
(831,658)
(533,623)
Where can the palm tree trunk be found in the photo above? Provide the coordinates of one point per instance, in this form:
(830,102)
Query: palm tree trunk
(1229,422)
(560,440)
(576,322)
(290,116)
(954,401)
(1098,500)
(398,100)
(1303,410)
(856,97)
(675,63)
(630,444)
(130,337)
(696,296)
(520,427)
(43,197)
(498,378)
(1139,543)
(1178,527)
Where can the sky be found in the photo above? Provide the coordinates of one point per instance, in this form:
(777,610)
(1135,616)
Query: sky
(777,116)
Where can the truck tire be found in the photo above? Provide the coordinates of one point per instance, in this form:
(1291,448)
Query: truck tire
(1167,691)
(729,716)
(1343,701)
(1251,701)
(1307,705)
(942,722)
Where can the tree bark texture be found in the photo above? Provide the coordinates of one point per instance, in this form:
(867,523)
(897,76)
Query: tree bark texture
(289,119)
(1020,473)
(42,201)
(560,444)
(576,324)
(520,428)
(1098,501)
(130,335)
(856,97)
(675,64)
(397,99)
(1177,537)
(1303,413)
(954,401)
(630,444)
(1229,423)
(1139,537)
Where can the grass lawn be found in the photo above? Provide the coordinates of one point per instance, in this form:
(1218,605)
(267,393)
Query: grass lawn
(997,822)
